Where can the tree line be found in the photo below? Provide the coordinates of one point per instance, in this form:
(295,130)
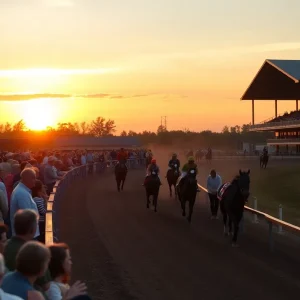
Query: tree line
(231,137)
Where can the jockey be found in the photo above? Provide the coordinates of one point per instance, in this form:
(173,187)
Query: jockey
(174,163)
(153,167)
(186,168)
(265,151)
(122,155)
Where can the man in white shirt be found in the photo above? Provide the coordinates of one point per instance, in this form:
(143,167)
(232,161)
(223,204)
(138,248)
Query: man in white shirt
(21,197)
(214,181)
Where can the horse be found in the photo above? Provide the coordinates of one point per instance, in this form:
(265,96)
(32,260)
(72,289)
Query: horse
(199,155)
(120,174)
(208,156)
(233,197)
(172,177)
(152,185)
(263,160)
(187,192)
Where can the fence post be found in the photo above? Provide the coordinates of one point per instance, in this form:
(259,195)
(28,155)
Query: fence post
(271,242)
(280,218)
(255,219)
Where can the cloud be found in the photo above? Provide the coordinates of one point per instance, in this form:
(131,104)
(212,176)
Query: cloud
(42,72)
(61,3)
(26,97)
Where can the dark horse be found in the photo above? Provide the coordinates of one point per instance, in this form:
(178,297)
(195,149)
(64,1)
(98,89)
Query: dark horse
(233,197)
(120,173)
(263,160)
(208,156)
(187,192)
(152,185)
(172,177)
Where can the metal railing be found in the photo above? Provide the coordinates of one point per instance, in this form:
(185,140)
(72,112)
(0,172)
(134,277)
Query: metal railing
(51,219)
(269,219)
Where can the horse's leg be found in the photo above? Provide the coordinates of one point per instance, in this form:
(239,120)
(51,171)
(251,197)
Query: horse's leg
(191,209)
(170,188)
(235,233)
(230,225)
(183,207)
(118,184)
(224,213)
(155,201)
(148,200)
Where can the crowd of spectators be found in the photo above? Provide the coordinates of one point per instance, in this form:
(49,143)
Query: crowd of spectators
(292,116)
(28,268)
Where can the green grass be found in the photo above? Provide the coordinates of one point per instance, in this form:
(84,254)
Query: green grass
(278,184)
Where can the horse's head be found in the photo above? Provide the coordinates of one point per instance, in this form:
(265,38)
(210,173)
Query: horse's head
(243,182)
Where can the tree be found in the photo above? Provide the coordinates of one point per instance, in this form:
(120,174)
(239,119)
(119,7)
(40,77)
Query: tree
(225,129)
(132,133)
(67,128)
(123,133)
(7,127)
(19,126)
(85,127)
(100,127)
(161,129)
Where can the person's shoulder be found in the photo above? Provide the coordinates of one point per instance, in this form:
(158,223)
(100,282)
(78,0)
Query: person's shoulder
(6,296)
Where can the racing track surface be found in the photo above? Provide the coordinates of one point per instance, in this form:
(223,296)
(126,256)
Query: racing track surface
(124,251)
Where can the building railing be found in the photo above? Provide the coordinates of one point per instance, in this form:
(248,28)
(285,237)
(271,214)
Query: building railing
(269,219)
(55,198)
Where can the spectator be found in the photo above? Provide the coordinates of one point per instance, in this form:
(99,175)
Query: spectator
(40,198)
(214,181)
(2,185)
(17,176)
(3,207)
(32,262)
(25,225)
(3,295)
(83,159)
(3,238)
(9,179)
(50,175)
(21,197)
(60,270)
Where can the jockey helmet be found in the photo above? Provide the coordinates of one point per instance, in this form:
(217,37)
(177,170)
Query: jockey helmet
(174,155)
(191,159)
(153,161)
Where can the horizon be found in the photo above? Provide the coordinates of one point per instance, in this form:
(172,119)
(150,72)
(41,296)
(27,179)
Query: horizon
(133,62)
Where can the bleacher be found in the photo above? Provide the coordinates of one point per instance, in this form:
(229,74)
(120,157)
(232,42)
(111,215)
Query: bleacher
(292,116)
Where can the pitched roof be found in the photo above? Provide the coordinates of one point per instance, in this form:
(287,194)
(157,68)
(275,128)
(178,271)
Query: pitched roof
(290,68)
(275,80)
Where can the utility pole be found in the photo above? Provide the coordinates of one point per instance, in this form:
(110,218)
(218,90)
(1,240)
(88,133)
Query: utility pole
(165,122)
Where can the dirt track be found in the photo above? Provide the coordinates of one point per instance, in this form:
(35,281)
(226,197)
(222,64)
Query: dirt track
(124,251)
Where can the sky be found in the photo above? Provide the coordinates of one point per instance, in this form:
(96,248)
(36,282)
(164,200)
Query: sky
(134,61)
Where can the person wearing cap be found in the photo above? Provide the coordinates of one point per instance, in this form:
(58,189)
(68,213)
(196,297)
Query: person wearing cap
(214,181)
(153,167)
(50,175)
(190,165)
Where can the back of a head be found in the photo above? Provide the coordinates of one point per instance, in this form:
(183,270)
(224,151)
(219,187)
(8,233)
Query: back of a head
(2,266)
(33,259)
(25,222)
(58,256)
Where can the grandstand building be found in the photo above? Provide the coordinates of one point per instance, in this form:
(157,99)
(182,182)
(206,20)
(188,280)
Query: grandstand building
(278,80)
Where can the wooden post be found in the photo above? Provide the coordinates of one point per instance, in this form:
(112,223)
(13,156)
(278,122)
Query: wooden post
(252,112)
(297,105)
(275,108)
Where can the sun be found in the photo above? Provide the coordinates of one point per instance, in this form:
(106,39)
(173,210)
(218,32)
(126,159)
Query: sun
(38,114)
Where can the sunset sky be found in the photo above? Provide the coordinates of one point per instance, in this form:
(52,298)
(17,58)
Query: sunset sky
(137,60)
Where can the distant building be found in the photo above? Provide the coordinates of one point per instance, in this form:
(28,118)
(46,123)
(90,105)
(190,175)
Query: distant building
(278,80)
(96,143)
